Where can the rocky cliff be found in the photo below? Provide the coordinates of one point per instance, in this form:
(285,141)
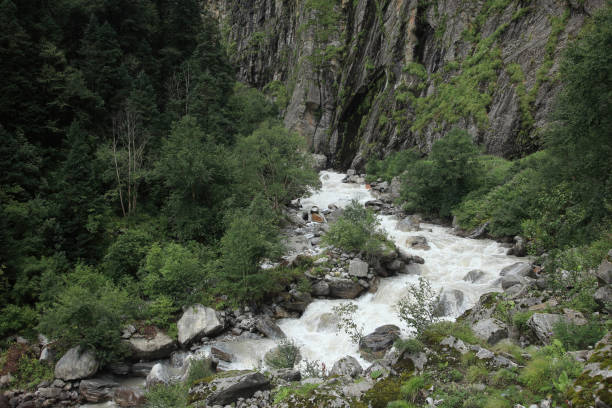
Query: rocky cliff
(361,78)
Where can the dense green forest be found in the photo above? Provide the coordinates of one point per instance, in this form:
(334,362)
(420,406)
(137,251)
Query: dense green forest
(133,168)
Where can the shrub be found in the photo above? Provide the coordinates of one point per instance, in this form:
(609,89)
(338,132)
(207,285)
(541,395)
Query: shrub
(162,312)
(503,377)
(166,396)
(21,362)
(476,373)
(409,346)
(125,255)
(519,320)
(174,271)
(412,389)
(418,308)
(547,365)
(14,319)
(391,166)
(346,321)
(285,355)
(89,311)
(575,337)
(199,369)
(451,171)
(358,230)
(438,331)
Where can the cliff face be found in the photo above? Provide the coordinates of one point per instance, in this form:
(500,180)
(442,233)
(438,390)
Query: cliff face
(361,78)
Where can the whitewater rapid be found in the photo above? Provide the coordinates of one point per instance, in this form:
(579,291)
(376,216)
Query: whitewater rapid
(447,262)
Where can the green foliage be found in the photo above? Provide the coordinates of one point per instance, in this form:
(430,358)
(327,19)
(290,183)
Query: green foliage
(89,311)
(410,346)
(549,363)
(302,391)
(273,163)
(30,372)
(162,312)
(15,319)
(173,271)
(167,396)
(125,255)
(251,236)
(578,337)
(418,307)
(436,332)
(199,369)
(437,184)
(358,230)
(519,320)
(391,166)
(345,312)
(476,373)
(285,355)
(412,389)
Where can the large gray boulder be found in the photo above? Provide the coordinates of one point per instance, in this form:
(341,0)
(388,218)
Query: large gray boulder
(542,325)
(604,272)
(144,348)
(358,268)
(510,280)
(450,302)
(375,345)
(198,321)
(320,288)
(521,269)
(159,375)
(409,224)
(98,389)
(76,364)
(603,297)
(344,288)
(229,387)
(490,330)
(266,326)
(347,366)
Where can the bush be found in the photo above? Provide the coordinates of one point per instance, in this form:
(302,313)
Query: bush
(391,166)
(412,389)
(21,362)
(174,271)
(125,255)
(418,308)
(436,332)
(519,320)
(88,311)
(251,237)
(162,312)
(575,337)
(438,184)
(409,346)
(285,355)
(548,365)
(476,373)
(167,396)
(357,230)
(15,319)
(199,369)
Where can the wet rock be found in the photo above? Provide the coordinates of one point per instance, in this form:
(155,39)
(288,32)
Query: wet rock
(287,374)
(142,369)
(228,388)
(490,330)
(144,348)
(521,269)
(159,374)
(450,301)
(479,232)
(507,281)
(358,268)
(119,368)
(375,344)
(298,302)
(603,297)
(76,364)
(347,366)
(320,288)
(220,354)
(417,242)
(98,389)
(409,224)
(519,248)
(128,397)
(474,275)
(266,326)
(344,288)
(395,266)
(327,322)
(319,162)
(542,325)
(198,321)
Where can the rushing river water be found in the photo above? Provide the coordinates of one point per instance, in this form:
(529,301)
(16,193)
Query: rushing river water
(446,264)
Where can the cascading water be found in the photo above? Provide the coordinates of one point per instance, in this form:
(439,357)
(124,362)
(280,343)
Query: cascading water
(446,264)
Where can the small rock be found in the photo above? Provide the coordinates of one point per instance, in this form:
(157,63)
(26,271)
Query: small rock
(347,366)
(474,276)
(491,330)
(358,268)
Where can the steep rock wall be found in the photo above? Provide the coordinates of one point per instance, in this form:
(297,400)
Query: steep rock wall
(362,78)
